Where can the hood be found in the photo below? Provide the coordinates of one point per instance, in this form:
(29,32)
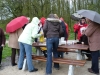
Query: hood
(42,20)
(35,21)
(53,20)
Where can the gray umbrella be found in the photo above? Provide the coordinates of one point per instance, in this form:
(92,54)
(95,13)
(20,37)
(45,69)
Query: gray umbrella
(76,17)
(92,15)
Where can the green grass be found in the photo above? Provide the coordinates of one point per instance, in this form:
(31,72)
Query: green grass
(6,51)
(71,36)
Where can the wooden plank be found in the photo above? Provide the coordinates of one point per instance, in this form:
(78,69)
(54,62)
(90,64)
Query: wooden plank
(61,60)
(75,46)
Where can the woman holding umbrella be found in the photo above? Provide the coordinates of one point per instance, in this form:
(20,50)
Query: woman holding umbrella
(25,42)
(93,34)
(15,28)
(13,44)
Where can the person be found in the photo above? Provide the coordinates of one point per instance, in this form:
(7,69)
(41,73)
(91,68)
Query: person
(66,34)
(84,40)
(79,25)
(25,43)
(42,39)
(52,31)
(93,34)
(2,43)
(13,44)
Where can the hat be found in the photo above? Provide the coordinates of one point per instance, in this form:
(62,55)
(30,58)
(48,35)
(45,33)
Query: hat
(42,20)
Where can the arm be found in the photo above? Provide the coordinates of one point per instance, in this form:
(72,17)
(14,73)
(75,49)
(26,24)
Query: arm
(61,31)
(90,29)
(76,27)
(45,28)
(3,38)
(35,32)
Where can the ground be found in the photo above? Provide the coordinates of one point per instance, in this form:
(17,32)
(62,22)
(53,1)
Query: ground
(7,69)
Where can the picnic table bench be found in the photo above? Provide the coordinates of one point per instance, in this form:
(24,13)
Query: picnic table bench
(70,62)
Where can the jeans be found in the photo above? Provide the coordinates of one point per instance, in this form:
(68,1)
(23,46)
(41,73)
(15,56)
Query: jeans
(25,49)
(95,61)
(52,45)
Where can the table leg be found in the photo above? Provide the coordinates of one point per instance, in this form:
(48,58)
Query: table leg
(71,70)
(38,53)
(83,56)
(24,65)
(79,56)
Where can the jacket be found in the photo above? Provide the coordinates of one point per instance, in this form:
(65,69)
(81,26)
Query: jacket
(93,34)
(2,37)
(77,29)
(13,39)
(52,28)
(65,34)
(84,39)
(30,32)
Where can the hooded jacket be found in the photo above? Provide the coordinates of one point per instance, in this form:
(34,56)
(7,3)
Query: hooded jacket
(52,27)
(30,32)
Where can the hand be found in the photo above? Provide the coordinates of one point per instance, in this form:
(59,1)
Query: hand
(42,34)
(2,45)
(80,24)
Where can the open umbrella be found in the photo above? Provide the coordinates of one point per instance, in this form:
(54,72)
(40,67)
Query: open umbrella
(76,17)
(16,23)
(92,15)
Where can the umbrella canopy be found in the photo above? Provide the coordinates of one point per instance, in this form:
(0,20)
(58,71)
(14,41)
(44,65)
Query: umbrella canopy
(76,17)
(92,15)
(16,23)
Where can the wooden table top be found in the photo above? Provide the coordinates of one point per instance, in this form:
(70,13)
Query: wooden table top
(72,46)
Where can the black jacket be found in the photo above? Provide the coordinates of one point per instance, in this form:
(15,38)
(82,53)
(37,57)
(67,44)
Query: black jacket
(84,39)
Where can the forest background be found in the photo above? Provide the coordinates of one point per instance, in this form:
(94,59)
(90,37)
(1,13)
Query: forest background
(10,9)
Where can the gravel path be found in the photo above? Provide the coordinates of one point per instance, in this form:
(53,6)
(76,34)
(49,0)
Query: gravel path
(7,69)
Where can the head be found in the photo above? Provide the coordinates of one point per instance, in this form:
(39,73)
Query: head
(56,16)
(83,20)
(88,20)
(51,16)
(35,21)
(42,20)
(61,19)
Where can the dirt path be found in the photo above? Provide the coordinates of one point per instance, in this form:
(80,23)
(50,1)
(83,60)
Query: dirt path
(7,69)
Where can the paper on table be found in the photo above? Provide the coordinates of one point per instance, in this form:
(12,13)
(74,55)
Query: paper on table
(44,43)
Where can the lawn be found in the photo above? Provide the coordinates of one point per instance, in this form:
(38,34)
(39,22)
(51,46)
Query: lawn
(7,50)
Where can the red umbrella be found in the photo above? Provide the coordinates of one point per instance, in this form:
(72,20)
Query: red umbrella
(16,23)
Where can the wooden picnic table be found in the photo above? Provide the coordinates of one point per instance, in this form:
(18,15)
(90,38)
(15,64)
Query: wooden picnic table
(64,48)
(72,46)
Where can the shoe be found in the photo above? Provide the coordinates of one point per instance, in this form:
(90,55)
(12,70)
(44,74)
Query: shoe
(47,74)
(88,59)
(90,70)
(20,68)
(45,55)
(0,65)
(35,69)
(14,64)
(57,68)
